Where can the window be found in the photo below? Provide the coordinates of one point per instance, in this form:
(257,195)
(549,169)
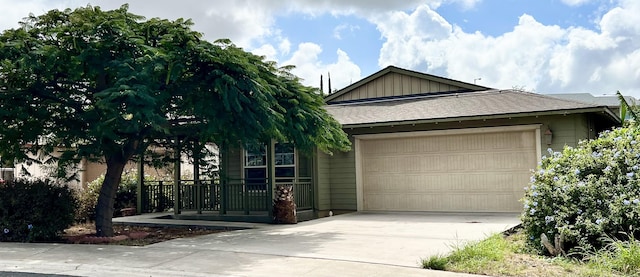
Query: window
(285,162)
(255,164)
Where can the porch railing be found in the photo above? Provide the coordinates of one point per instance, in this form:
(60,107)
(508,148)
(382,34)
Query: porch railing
(229,195)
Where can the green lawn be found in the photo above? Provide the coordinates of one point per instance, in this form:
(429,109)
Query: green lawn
(500,255)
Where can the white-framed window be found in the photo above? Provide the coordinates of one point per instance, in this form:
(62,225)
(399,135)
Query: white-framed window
(285,161)
(255,164)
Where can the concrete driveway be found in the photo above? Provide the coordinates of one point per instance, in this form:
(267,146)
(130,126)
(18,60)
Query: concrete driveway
(357,244)
(382,238)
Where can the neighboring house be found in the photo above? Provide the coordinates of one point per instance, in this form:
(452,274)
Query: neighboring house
(86,171)
(610,101)
(420,143)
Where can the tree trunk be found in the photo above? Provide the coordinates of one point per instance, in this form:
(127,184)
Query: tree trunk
(284,207)
(104,208)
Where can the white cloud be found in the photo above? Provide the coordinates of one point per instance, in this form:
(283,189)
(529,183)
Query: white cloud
(14,11)
(537,56)
(309,67)
(576,2)
(544,58)
(338,30)
(467,4)
(268,51)
(241,21)
(284,46)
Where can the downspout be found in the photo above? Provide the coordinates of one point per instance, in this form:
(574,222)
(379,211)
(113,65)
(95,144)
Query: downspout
(176,179)
(270,177)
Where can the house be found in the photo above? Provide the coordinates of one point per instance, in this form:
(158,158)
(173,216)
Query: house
(611,101)
(420,143)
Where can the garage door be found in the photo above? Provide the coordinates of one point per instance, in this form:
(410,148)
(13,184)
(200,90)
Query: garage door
(460,172)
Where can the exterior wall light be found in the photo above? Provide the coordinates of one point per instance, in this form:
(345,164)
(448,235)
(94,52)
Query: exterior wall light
(548,136)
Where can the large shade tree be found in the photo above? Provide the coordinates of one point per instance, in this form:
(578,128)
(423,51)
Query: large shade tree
(105,85)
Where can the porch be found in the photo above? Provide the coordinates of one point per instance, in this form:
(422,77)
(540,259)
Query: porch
(246,200)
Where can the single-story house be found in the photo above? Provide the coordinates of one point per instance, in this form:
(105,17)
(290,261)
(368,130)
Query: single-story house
(420,143)
(426,143)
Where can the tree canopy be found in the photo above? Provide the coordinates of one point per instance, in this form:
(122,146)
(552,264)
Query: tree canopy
(106,84)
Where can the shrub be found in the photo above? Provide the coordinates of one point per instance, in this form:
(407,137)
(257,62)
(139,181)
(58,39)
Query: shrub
(125,197)
(36,210)
(587,192)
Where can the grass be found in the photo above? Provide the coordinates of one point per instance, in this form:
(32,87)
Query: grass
(500,255)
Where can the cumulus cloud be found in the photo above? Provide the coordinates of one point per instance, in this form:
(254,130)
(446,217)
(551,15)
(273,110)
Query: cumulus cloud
(268,51)
(544,58)
(309,67)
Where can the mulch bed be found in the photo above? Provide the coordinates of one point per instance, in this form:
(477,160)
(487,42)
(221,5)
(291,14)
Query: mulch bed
(131,234)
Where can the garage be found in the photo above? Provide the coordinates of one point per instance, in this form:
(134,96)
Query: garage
(464,170)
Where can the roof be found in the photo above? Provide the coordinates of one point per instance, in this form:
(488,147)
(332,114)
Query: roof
(393,69)
(605,100)
(456,106)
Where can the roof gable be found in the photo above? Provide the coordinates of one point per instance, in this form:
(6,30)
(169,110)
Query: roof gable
(393,82)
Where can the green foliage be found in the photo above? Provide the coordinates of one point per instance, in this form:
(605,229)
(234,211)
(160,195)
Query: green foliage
(472,256)
(627,110)
(35,210)
(96,84)
(126,196)
(587,192)
(435,262)
(620,255)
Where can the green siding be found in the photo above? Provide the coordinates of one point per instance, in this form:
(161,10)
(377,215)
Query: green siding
(343,181)
(567,130)
(304,166)
(323,182)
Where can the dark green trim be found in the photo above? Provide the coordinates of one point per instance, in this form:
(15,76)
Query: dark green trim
(140,184)
(176,178)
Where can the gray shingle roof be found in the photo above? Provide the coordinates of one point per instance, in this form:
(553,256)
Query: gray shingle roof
(462,105)
(606,100)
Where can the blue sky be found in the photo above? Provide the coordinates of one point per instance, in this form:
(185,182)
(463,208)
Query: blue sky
(546,46)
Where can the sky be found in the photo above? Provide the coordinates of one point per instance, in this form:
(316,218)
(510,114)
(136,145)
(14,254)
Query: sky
(543,46)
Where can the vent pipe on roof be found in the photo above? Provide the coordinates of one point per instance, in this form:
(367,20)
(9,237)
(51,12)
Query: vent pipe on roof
(329,77)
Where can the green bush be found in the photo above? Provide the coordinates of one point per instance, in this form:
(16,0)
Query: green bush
(125,197)
(587,192)
(36,210)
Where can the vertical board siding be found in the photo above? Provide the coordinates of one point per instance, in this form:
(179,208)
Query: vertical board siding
(395,84)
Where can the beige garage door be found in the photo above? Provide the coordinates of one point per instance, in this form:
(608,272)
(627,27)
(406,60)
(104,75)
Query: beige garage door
(462,172)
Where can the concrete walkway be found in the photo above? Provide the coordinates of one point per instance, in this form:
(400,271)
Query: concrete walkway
(358,244)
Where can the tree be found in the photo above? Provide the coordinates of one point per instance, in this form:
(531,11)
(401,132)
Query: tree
(105,85)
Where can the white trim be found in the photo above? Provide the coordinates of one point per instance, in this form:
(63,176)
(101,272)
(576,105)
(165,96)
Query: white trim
(359,187)
(514,128)
(538,145)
